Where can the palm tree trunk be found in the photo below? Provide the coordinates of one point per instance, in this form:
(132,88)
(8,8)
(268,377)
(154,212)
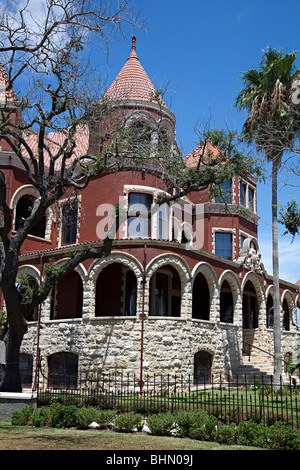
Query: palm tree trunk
(275,260)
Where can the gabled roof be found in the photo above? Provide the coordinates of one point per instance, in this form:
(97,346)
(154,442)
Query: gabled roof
(132,82)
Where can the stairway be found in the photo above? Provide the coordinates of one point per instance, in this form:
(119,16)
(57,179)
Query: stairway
(255,369)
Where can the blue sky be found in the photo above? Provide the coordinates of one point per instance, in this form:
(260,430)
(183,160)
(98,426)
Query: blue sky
(200,48)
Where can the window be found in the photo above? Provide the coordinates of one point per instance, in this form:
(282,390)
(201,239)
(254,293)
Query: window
(270,312)
(242,239)
(139,220)
(69,223)
(243,194)
(131,294)
(223,245)
(163,222)
(225,194)
(165,293)
(202,368)
(23,211)
(251,199)
(25,367)
(62,370)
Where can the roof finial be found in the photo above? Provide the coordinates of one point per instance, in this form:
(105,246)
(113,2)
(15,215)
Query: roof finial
(133,42)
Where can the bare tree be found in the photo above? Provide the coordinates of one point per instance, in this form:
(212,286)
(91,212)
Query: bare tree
(44,51)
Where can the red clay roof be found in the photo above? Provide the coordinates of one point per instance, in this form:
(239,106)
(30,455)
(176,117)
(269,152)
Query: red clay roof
(132,82)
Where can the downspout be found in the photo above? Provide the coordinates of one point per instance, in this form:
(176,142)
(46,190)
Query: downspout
(38,330)
(141,382)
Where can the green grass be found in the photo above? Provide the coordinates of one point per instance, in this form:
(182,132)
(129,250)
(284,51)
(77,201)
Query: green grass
(29,438)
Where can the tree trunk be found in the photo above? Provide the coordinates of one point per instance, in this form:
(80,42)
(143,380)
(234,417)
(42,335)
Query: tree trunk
(9,368)
(11,338)
(275,261)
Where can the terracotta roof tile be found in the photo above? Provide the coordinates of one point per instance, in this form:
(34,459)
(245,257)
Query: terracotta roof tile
(132,82)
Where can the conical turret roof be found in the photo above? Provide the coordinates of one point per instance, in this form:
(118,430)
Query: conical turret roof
(132,82)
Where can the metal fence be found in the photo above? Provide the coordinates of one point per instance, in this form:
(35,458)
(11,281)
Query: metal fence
(233,400)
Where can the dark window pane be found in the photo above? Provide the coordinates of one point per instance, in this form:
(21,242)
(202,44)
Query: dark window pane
(223,243)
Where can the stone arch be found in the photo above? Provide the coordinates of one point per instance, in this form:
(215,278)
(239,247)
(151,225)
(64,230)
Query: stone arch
(232,281)
(251,279)
(288,307)
(182,269)
(128,263)
(33,273)
(115,257)
(140,116)
(269,307)
(210,276)
(29,190)
(30,270)
(66,297)
(202,367)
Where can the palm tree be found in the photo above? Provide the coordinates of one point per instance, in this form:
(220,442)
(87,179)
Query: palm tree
(272,125)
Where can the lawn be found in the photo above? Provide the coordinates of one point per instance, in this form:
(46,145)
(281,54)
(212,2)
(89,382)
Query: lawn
(38,439)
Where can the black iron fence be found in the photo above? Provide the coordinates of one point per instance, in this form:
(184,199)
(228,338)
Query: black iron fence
(233,400)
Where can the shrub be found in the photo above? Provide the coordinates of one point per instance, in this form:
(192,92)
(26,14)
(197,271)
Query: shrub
(22,417)
(225,434)
(203,427)
(86,415)
(185,419)
(57,416)
(160,424)
(281,436)
(125,422)
(250,433)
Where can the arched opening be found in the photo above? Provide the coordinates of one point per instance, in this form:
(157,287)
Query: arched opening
(116,291)
(27,286)
(62,370)
(23,211)
(226,303)
(201,298)
(250,307)
(202,368)
(165,292)
(286,316)
(67,297)
(270,312)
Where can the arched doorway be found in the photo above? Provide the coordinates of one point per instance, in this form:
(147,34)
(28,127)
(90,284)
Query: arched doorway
(202,368)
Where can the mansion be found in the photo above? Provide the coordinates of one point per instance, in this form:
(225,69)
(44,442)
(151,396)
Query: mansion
(170,298)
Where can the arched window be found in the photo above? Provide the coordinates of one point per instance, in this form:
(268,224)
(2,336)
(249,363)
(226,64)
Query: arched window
(116,291)
(165,292)
(270,312)
(140,138)
(286,316)
(23,211)
(202,368)
(226,303)
(62,370)
(250,307)
(201,298)
(66,301)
